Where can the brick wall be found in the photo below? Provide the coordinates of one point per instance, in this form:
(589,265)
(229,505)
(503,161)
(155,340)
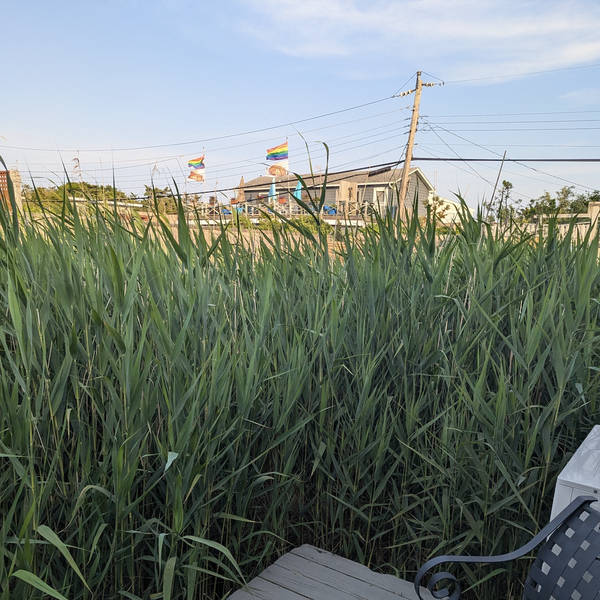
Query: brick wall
(15,177)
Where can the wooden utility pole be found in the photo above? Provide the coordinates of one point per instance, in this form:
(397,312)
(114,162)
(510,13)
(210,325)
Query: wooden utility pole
(409,148)
(411,138)
(496,185)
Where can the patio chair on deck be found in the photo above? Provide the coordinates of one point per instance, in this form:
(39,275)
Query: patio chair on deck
(567,566)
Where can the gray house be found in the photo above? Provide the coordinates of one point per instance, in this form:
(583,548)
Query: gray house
(352,194)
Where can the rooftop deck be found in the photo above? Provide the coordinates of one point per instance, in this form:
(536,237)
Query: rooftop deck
(308,572)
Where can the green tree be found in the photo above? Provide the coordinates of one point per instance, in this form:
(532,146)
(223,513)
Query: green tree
(53,196)
(498,206)
(161,197)
(580,204)
(563,201)
(438,207)
(92,191)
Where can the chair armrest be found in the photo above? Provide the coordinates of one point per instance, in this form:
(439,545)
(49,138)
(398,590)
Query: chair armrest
(435,579)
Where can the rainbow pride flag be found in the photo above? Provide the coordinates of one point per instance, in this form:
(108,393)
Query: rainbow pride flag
(278,152)
(196,163)
(198,169)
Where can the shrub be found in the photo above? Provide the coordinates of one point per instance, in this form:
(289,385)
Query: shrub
(174,413)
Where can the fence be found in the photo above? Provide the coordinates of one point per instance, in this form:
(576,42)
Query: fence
(580,222)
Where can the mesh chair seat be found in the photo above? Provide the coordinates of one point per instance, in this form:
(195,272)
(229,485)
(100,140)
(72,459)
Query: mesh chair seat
(567,566)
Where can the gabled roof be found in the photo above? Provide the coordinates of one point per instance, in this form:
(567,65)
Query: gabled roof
(334,179)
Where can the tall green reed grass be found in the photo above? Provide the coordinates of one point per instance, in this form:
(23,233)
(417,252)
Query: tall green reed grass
(176,413)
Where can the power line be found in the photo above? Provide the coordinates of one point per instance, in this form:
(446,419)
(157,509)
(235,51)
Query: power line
(538,172)
(230,167)
(519,114)
(515,190)
(149,161)
(538,176)
(390,165)
(534,129)
(515,160)
(226,172)
(399,90)
(523,74)
(457,155)
(208,139)
(523,145)
(434,76)
(521,163)
(344,146)
(337,167)
(529,121)
(334,169)
(261,157)
(385,165)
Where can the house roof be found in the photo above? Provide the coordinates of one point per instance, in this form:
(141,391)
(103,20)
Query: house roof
(333,179)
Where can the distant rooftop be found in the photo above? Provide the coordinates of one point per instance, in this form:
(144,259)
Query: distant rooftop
(333,178)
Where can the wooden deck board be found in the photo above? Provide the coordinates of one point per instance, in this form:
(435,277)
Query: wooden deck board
(309,573)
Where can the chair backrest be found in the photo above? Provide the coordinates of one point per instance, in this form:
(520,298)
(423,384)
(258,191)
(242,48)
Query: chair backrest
(567,566)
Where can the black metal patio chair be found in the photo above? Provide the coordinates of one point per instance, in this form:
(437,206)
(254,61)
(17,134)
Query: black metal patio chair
(567,566)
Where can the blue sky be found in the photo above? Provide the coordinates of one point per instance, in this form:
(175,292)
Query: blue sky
(86,79)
